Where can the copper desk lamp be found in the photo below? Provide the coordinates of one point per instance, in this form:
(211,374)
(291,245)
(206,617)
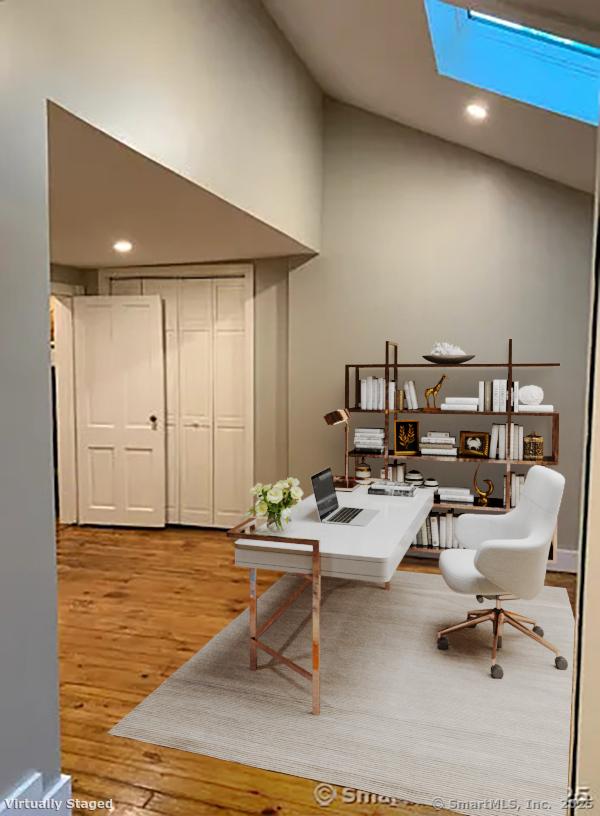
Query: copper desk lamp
(338,417)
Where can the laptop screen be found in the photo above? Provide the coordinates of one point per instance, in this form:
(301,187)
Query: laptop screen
(324,493)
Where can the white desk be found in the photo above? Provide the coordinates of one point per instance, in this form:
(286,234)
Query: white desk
(312,549)
(370,553)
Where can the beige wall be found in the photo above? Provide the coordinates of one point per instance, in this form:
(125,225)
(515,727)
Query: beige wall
(426,241)
(211,90)
(271,370)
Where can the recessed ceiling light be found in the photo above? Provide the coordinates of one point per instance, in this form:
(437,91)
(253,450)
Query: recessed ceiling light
(123,246)
(477,112)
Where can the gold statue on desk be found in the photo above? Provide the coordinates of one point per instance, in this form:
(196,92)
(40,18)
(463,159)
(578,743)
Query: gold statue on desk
(432,392)
(483,494)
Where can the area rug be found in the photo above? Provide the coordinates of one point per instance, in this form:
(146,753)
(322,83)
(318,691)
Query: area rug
(399,718)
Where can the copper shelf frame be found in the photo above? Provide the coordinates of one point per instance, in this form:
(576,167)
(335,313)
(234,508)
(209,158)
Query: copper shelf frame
(247,529)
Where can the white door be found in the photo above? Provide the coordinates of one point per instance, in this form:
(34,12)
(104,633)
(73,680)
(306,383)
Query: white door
(120,399)
(196,402)
(233,414)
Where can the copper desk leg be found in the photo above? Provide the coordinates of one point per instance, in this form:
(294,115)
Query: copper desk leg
(316,633)
(252,615)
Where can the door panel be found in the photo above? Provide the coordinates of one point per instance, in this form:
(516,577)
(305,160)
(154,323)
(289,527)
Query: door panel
(233,465)
(172,454)
(196,488)
(119,375)
(195,402)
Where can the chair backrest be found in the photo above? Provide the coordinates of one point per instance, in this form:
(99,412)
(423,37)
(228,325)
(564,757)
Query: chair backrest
(520,568)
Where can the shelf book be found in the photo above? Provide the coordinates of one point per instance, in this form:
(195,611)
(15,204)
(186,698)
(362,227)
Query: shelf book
(373,388)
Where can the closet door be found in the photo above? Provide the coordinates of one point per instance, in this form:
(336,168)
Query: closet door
(233,415)
(168,291)
(119,385)
(196,402)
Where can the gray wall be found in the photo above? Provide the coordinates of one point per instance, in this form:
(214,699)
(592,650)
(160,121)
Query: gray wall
(271,352)
(202,68)
(425,241)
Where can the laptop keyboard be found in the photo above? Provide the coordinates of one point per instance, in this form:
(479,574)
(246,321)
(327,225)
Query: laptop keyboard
(345,515)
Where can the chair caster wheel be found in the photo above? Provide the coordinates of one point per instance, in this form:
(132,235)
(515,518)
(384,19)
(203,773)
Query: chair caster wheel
(538,631)
(500,642)
(561,663)
(497,672)
(442,643)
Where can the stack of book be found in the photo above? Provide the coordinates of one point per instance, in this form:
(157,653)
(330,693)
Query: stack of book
(437,443)
(517,482)
(389,488)
(437,531)
(455,495)
(460,404)
(369,440)
(505,445)
(410,396)
(372,394)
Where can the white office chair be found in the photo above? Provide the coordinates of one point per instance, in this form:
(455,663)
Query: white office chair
(505,558)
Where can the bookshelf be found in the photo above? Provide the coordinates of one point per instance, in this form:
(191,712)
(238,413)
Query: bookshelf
(392,366)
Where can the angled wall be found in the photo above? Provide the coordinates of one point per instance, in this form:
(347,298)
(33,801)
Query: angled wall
(209,89)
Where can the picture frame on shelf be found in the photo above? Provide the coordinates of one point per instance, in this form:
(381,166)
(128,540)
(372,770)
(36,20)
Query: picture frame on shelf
(406,437)
(474,445)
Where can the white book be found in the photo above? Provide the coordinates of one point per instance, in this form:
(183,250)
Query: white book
(512,441)
(435,531)
(381,394)
(515,400)
(391,395)
(521,437)
(465,491)
(439,451)
(442,521)
(442,440)
(438,433)
(494,442)
(363,394)
(369,399)
(495,395)
(453,498)
(462,400)
(502,395)
(501,441)
(533,409)
(481,401)
(407,396)
(512,489)
(449,530)
(454,407)
(413,393)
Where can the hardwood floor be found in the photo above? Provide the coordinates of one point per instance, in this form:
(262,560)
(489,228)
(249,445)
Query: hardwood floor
(133,606)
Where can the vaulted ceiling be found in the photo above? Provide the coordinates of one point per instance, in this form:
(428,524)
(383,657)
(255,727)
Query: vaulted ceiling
(377,55)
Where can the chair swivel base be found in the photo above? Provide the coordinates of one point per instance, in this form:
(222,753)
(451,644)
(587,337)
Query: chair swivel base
(498,617)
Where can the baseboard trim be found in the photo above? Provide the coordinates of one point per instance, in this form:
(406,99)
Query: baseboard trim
(30,795)
(566,561)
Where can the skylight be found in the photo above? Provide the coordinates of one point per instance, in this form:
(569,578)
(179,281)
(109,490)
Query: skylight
(535,32)
(526,64)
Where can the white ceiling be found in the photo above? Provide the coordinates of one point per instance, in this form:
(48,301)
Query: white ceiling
(101,191)
(377,55)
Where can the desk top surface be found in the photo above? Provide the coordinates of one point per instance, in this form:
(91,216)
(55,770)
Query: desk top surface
(378,540)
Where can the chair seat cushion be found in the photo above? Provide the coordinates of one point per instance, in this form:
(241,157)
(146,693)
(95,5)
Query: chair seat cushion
(460,573)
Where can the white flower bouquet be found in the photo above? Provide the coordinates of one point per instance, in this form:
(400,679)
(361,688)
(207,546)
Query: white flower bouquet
(275,501)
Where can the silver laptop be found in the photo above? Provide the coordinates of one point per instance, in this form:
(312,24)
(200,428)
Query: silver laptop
(329,509)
